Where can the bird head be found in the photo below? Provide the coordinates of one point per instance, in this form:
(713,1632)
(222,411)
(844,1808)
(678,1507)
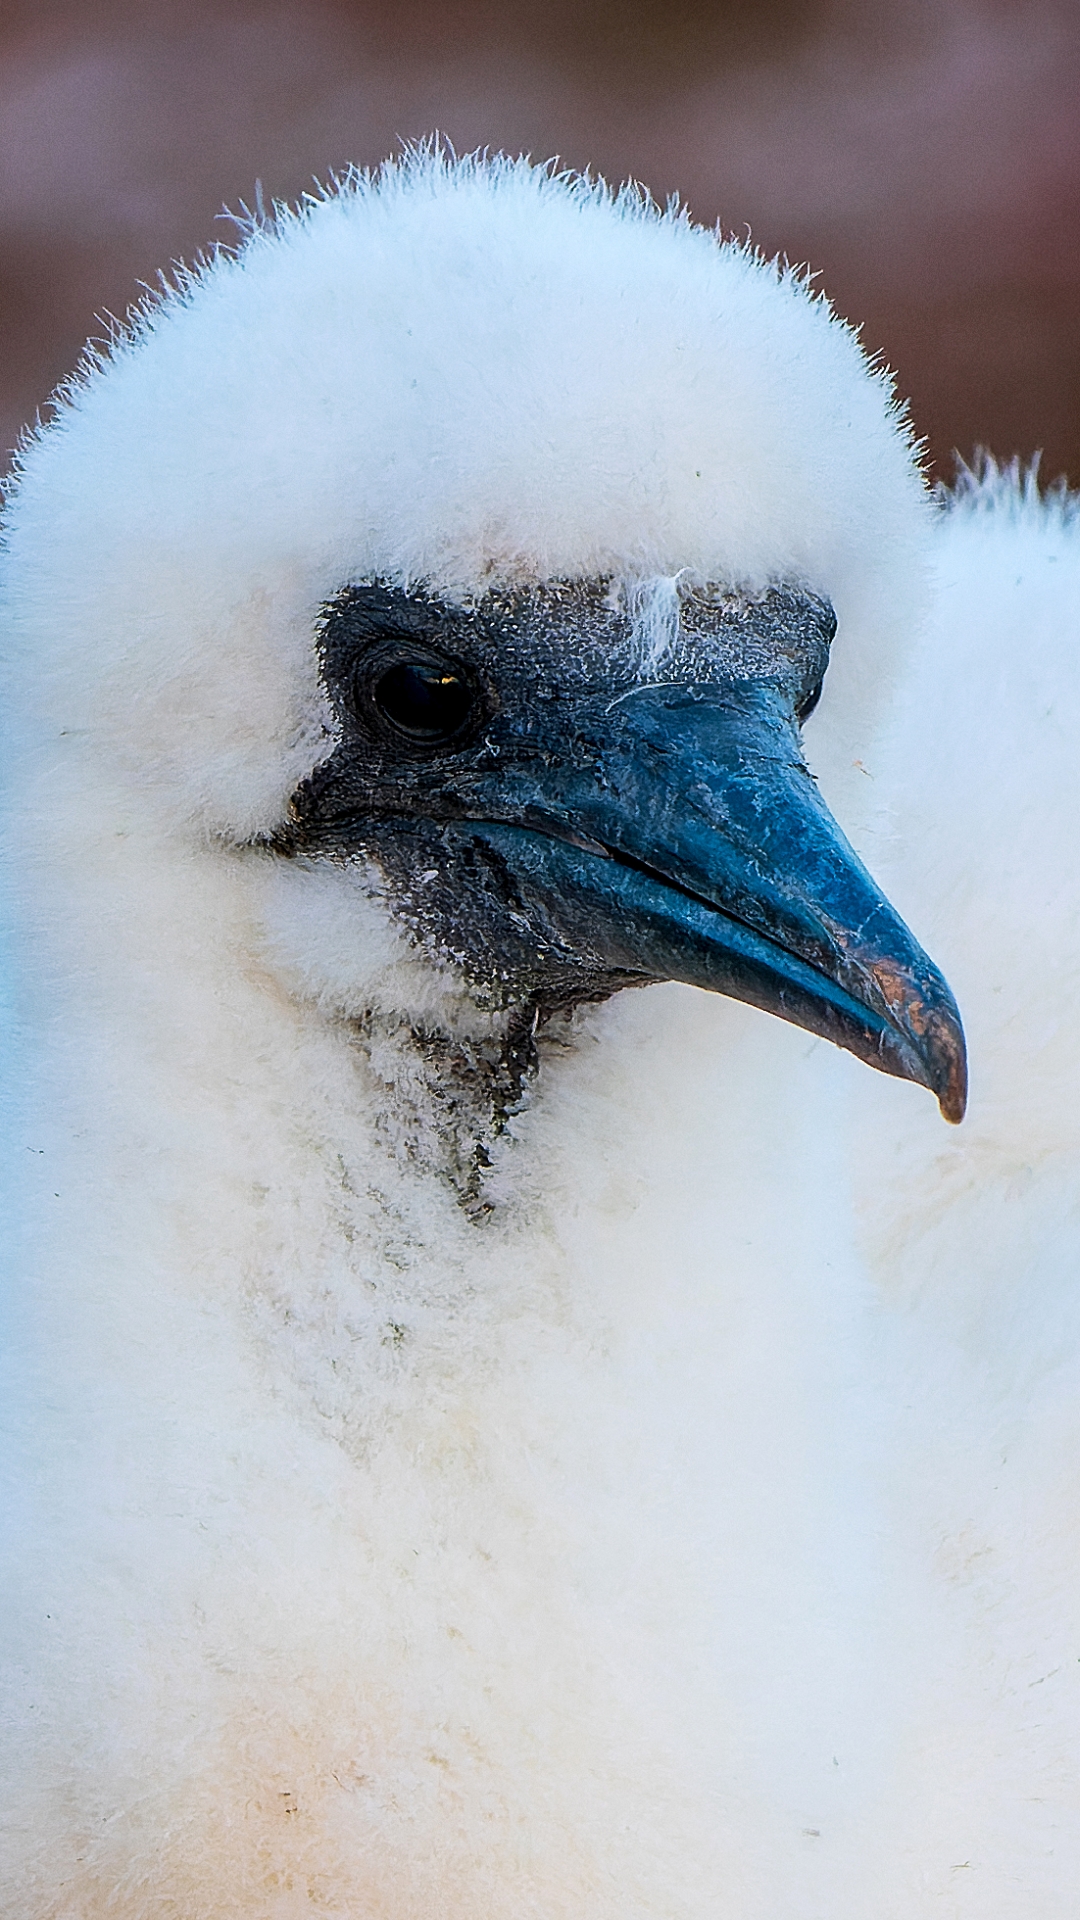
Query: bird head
(464,554)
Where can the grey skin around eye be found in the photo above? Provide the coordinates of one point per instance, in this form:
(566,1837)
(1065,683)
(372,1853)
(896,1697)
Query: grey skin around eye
(569,636)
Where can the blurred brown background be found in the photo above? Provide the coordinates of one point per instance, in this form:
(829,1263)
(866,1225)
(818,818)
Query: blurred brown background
(923,155)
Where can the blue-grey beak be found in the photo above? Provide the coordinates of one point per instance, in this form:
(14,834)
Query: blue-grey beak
(683,839)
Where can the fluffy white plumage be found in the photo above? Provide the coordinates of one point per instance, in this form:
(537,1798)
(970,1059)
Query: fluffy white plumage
(696,1534)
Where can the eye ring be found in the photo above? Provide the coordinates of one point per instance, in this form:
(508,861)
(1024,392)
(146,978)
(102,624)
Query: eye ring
(420,697)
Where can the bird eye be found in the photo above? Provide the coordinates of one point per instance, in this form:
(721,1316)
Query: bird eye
(806,706)
(425,700)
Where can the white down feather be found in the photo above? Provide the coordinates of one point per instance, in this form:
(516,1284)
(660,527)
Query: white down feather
(695,1536)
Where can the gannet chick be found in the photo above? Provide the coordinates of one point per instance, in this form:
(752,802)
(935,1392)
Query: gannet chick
(438,1478)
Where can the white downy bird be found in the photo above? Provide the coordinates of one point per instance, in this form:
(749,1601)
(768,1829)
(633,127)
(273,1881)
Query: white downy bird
(484,1445)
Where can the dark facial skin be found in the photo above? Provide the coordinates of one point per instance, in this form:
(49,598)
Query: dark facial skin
(558,816)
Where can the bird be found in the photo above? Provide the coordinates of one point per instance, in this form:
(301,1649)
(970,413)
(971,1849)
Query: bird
(497,1423)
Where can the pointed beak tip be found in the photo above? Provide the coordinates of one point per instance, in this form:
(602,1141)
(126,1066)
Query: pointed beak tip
(944,1050)
(944,1054)
(952,1094)
(926,1019)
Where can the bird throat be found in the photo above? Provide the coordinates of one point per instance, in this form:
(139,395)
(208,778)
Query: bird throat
(447,1101)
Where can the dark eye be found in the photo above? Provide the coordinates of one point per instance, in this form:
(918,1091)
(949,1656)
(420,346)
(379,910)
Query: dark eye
(424,699)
